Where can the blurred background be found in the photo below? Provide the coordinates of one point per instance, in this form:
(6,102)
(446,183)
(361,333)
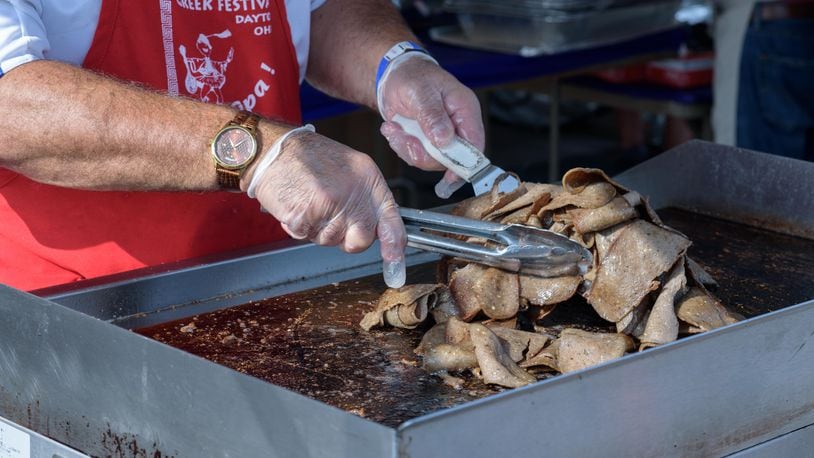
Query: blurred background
(605,83)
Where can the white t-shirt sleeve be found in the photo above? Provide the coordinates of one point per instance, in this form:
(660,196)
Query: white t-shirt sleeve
(299,21)
(22,33)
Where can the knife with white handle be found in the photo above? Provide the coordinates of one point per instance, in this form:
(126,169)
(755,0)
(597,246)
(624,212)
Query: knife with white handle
(462,158)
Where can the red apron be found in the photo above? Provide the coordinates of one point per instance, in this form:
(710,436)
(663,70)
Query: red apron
(219,51)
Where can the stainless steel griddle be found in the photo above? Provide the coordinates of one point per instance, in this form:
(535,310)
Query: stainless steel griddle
(71,370)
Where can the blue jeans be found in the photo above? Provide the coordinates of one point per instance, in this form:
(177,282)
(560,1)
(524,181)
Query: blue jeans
(776,92)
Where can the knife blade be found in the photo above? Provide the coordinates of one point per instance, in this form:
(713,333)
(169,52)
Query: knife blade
(463,159)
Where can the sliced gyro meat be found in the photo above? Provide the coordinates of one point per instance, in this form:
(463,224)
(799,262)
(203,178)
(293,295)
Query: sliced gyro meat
(559,227)
(461,284)
(602,243)
(625,275)
(534,221)
(577,179)
(519,343)
(537,193)
(480,206)
(662,324)
(596,219)
(444,306)
(634,322)
(404,307)
(494,291)
(642,283)
(432,338)
(545,291)
(510,323)
(603,240)
(577,349)
(496,365)
(702,311)
(593,195)
(447,347)
(520,216)
(448,357)
(587,240)
(545,357)
(457,333)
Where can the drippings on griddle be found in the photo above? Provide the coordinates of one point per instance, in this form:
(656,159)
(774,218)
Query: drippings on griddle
(309,342)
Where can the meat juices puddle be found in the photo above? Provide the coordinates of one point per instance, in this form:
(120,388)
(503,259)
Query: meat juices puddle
(310,342)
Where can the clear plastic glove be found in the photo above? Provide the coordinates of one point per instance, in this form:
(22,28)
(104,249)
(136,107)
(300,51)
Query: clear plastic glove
(418,88)
(330,194)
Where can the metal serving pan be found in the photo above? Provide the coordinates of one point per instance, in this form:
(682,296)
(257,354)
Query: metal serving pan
(71,370)
(535,31)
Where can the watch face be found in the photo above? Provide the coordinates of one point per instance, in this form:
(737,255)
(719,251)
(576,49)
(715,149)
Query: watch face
(234,147)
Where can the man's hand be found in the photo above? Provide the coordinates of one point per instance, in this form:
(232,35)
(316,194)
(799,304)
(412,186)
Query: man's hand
(419,89)
(328,193)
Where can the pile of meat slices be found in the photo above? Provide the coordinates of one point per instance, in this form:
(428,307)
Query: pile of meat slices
(641,280)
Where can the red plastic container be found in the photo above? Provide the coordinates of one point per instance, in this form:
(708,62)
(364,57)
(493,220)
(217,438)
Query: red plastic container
(622,75)
(683,72)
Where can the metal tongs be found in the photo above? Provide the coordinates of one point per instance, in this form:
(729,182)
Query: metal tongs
(516,248)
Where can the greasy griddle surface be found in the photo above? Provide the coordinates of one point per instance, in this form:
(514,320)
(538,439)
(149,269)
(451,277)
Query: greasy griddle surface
(757,271)
(310,342)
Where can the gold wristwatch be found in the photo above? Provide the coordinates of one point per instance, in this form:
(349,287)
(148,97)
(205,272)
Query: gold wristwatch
(234,148)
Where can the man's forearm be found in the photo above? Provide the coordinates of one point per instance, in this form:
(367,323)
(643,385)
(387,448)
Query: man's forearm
(70,127)
(348,39)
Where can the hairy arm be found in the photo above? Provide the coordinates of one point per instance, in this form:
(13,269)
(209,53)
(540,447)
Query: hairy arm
(71,127)
(348,39)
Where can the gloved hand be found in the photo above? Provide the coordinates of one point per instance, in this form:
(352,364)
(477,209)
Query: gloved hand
(418,88)
(330,194)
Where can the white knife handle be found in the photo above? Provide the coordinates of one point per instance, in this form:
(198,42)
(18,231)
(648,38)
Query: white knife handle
(459,156)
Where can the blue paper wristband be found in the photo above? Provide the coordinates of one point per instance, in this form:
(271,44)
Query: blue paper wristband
(397,50)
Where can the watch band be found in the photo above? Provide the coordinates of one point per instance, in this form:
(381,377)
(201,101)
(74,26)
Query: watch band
(245,119)
(230,178)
